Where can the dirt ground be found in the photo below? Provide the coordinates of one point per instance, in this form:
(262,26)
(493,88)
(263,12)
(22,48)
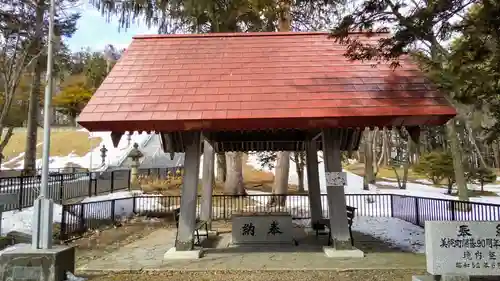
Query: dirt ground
(349,275)
(97,243)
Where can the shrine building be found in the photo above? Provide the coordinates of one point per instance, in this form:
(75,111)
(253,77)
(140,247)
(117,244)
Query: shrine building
(287,91)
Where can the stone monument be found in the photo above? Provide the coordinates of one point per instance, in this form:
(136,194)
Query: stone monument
(103,154)
(263,228)
(135,154)
(460,251)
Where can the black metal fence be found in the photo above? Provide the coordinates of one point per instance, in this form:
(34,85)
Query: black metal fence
(65,186)
(78,218)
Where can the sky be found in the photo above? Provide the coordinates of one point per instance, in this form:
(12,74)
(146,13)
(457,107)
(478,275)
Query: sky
(95,32)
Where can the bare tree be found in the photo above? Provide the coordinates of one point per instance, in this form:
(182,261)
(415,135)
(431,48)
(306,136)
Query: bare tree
(234,180)
(15,57)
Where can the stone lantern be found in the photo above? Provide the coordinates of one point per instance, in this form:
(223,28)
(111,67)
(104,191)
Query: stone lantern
(103,154)
(135,154)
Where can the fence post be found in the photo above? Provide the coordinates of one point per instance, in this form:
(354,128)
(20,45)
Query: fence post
(21,192)
(63,225)
(112,181)
(61,188)
(224,205)
(417,212)
(452,209)
(95,186)
(113,210)
(82,218)
(392,205)
(129,177)
(90,184)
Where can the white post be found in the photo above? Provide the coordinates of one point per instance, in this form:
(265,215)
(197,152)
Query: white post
(313,187)
(335,181)
(207,181)
(43,211)
(187,219)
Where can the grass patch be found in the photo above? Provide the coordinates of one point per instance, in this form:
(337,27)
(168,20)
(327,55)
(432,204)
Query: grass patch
(62,143)
(477,193)
(253,179)
(383,172)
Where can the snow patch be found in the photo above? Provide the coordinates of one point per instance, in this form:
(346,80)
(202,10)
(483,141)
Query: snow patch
(21,220)
(396,232)
(125,204)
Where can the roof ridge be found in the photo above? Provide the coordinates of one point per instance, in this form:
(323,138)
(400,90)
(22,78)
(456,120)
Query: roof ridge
(245,34)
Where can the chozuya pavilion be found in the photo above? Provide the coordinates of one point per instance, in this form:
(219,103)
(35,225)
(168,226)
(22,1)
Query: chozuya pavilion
(259,92)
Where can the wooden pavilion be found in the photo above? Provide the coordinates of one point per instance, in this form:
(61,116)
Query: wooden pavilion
(259,92)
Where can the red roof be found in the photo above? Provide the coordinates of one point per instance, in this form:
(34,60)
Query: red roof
(256,81)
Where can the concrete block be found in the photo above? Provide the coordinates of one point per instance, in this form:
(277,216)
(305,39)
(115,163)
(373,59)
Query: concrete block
(173,254)
(28,264)
(443,278)
(210,233)
(331,252)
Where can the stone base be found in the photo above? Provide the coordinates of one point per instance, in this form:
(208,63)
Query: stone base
(443,278)
(331,252)
(210,233)
(173,254)
(25,263)
(291,243)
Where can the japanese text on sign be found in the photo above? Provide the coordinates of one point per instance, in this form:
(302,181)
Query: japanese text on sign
(249,229)
(477,252)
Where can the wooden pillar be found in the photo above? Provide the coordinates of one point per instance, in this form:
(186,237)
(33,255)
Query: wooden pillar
(187,219)
(335,194)
(207,183)
(313,188)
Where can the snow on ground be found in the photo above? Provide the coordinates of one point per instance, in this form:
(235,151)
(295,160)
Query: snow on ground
(404,235)
(392,230)
(21,220)
(125,204)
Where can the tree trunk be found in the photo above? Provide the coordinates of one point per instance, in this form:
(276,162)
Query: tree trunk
(456,153)
(374,138)
(406,163)
(5,140)
(299,166)
(221,167)
(496,154)
(417,150)
(369,177)
(33,110)
(476,147)
(388,150)
(280,186)
(234,180)
(383,153)
(282,168)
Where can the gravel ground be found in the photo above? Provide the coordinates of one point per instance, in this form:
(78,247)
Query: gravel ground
(349,275)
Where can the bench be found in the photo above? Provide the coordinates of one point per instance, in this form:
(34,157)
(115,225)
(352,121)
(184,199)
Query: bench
(200,224)
(319,226)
